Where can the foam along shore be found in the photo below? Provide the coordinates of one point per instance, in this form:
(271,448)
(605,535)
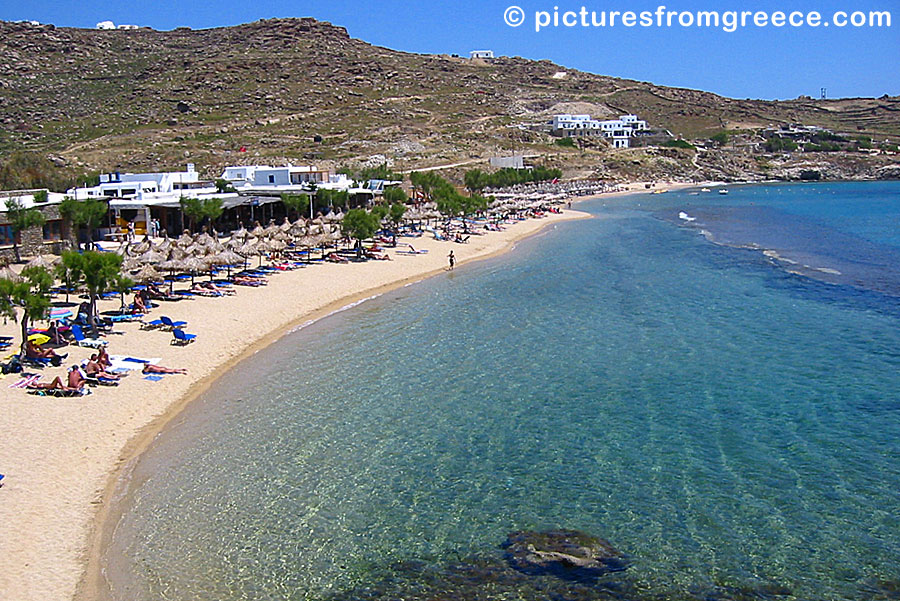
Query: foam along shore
(62,456)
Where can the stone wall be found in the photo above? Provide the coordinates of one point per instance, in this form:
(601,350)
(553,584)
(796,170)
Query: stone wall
(32,240)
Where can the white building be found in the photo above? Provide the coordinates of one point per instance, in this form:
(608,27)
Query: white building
(618,130)
(106,25)
(263,176)
(481,54)
(146,186)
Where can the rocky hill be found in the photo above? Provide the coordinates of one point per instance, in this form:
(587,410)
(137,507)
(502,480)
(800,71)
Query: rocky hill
(301,89)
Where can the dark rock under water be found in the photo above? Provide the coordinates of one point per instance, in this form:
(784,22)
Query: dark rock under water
(555,565)
(567,554)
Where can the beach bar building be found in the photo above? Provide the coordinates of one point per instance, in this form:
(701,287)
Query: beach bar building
(140,198)
(52,237)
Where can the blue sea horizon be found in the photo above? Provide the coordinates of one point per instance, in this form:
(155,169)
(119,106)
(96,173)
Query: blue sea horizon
(708,382)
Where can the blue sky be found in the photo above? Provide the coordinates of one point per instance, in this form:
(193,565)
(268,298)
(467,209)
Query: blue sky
(751,62)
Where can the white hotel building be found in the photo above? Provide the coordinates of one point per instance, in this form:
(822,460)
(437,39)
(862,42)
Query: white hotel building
(618,130)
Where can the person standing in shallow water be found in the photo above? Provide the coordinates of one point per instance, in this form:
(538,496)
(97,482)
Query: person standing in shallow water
(452,259)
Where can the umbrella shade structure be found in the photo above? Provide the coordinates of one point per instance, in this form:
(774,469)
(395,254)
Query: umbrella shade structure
(7,273)
(150,257)
(240,234)
(39,339)
(47,262)
(60,313)
(204,239)
(334,217)
(286,225)
(147,273)
(229,258)
(258,232)
(184,240)
(139,248)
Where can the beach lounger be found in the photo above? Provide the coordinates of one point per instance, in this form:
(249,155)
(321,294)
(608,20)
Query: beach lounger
(81,340)
(152,325)
(172,325)
(59,392)
(1,479)
(181,337)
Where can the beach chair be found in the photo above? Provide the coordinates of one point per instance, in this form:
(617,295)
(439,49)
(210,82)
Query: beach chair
(172,325)
(181,338)
(59,392)
(152,325)
(81,340)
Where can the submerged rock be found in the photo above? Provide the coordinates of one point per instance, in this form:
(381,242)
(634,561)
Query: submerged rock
(567,554)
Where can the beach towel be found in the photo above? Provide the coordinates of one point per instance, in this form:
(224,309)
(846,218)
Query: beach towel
(24,382)
(120,363)
(153,378)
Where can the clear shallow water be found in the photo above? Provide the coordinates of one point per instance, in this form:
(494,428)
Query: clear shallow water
(729,425)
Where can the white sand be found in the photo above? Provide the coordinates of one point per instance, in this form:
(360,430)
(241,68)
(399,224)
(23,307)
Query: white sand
(62,455)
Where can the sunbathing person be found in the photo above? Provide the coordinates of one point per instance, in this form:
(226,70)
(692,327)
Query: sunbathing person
(103,358)
(138,305)
(76,378)
(33,351)
(75,382)
(94,370)
(149,368)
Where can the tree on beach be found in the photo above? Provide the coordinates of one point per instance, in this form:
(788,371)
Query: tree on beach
(21,219)
(394,194)
(121,283)
(397,210)
(84,213)
(31,295)
(360,225)
(196,209)
(98,271)
(296,203)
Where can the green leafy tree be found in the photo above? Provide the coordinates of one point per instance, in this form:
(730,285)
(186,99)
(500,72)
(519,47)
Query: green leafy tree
(296,203)
(360,225)
(32,296)
(197,210)
(21,219)
(41,196)
(66,275)
(566,142)
(394,194)
(397,210)
(223,186)
(382,171)
(97,271)
(121,284)
(720,139)
(88,214)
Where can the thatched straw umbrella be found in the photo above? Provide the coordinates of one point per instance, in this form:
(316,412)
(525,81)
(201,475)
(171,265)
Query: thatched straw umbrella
(286,225)
(7,273)
(147,273)
(193,265)
(258,232)
(184,240)
(47,262)
(230,258)
(150,257)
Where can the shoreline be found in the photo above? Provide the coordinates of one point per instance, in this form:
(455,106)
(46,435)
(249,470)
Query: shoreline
(94,586)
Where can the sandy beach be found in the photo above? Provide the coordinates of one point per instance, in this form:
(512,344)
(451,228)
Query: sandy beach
(62,456)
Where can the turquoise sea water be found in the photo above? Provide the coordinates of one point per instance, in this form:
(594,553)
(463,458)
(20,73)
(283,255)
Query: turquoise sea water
(732,426)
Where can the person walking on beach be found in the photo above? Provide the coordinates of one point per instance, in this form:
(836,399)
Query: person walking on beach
(452,259)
